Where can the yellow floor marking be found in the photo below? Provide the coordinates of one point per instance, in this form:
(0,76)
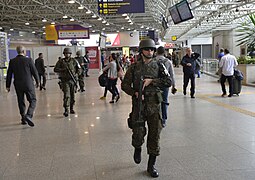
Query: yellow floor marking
(243,111)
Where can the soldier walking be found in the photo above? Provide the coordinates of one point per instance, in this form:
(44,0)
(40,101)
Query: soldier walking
(68,69)
(144,81)
(81,61)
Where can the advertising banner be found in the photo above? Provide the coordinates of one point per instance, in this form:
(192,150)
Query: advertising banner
(94,57)
(55,32)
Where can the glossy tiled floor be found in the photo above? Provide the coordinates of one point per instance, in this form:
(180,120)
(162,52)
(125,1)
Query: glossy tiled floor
(207,138)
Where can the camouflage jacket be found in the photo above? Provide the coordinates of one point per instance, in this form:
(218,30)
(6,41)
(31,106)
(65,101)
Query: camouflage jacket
(153,70)
(61,68)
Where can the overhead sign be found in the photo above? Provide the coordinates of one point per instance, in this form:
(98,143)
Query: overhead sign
(174,38)
(66,32)
(120,6)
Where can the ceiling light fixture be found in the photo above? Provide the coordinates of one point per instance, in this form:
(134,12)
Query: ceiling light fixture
(107,24)
(88,12)
(128,29)
(131,23)
(122,27)
(90,26)
(99,19)
(81,7)
(117,31)
(147,28)
(103,29)
(124,14)
(93,31)
(44,33)
(44,20)
(127,17)
(94,16)
(27,23)
(33,32)
(142,27)
(72,19)
(71,2)
(11,29)
(52,23)
(65,16)
(104,21)
(43,27)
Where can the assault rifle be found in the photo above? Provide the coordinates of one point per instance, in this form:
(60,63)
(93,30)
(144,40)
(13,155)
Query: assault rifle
(71,75)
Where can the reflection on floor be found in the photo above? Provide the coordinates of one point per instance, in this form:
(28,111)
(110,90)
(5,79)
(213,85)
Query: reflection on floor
(209,137)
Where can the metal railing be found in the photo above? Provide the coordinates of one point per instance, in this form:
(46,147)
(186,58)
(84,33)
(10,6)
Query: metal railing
(210,66)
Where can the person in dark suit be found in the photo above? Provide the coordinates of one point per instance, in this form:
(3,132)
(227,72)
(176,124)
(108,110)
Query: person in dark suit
(24,70)
(39,64)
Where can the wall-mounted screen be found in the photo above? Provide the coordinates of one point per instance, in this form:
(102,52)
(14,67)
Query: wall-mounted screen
(180,12)
(184,10)
(175,15)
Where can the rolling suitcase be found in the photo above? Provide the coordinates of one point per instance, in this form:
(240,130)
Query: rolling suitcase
(237,86)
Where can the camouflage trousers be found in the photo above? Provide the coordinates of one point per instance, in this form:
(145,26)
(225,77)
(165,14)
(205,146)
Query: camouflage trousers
(68,89)
(81,81)
(151,114)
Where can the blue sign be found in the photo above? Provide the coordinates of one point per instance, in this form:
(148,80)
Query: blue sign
(106,7)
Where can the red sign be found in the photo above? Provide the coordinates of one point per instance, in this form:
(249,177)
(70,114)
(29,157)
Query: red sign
(94,57)
(169,45)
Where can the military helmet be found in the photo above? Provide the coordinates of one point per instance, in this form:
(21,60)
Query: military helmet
(78,53)
(147,43)
(67,50)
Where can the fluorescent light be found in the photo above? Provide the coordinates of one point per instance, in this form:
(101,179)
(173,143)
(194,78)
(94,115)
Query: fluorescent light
(71,2)
(117,31)
(81,7)
(147,28)
(90,26)
(93,31)
(9,34)
(99,19)
(65,16)
(124,14)
(11,29)
(44,33)
(135,30)
(52,23)
(142,26)
(122,27)
(33,32)
(88,12)
(131,23)
(103,29)
(94,16)
(127,17)
(21,35)
(104,21)
(72,19)
(107,24)
(44,20)
(43,27)
(128,29)
(27,23)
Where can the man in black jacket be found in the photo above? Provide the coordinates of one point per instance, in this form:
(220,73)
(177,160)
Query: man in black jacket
(39,64)
(189,62)
(23,69)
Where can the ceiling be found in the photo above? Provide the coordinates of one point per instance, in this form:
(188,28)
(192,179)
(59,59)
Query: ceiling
(209,15)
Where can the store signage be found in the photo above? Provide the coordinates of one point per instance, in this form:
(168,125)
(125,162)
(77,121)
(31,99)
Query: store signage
(120,6)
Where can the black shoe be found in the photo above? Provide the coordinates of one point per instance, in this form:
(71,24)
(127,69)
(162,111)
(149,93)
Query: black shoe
(230,95)
(82,90)
(29,121)
(151,169)
(137,155)
(65,113)
(117,98)
(111,102)
(184,93)
(44,88)
(23,122)
(41,88)
(87,75)
(72,111)
(192,96)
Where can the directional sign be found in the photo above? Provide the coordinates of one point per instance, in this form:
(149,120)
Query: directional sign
(120,6)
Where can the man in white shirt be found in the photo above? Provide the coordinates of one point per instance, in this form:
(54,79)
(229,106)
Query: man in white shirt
(228,63)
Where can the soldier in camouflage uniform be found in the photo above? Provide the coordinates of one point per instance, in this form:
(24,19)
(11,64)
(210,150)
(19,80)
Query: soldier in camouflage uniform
(81,61)
(68,69)
(155,77)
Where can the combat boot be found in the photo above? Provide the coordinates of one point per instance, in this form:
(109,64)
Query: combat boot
(71,110)
(137,155)
(151,169)
(66,112)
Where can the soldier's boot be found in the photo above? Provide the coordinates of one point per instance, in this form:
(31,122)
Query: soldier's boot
(137,155)
(71,110)
(66,112)
(151,169)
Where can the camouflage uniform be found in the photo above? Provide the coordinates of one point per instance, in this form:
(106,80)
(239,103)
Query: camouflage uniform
(81,61)
(151,110)
(67,84)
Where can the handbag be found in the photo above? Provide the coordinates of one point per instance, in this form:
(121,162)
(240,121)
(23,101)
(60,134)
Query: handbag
(120,73)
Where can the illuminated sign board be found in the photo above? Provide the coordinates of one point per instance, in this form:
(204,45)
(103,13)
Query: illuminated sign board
(120,6)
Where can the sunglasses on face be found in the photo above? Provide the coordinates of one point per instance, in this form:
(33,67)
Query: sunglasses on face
(148,48)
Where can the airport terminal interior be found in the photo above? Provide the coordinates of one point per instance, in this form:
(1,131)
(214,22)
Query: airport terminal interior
(208,137)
